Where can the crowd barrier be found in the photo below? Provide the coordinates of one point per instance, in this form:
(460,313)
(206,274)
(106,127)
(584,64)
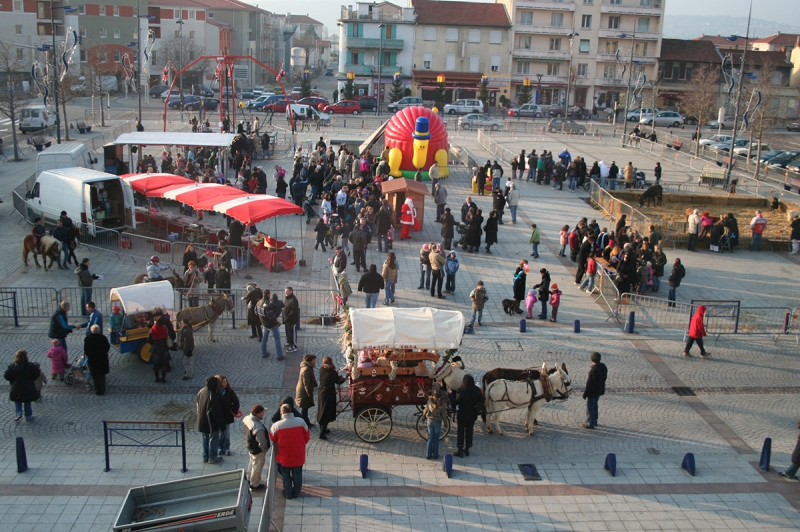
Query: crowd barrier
(615,208)
(607,291)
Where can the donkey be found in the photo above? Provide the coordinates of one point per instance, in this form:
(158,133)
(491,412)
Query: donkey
(206,314)
(654,193)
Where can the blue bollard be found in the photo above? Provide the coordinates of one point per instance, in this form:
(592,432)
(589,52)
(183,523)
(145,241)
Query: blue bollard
(576,327)
(611,464)
(688,463)
(522,325)
(766,453)
(447,465)
(22,457)
(630,323)
(364,465)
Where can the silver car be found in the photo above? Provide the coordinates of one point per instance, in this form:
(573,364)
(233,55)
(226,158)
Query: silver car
(663,119)
(479,121)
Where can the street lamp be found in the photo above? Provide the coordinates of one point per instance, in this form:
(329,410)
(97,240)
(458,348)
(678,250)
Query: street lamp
(382,27)
(67,9)
(569,73)
(485,88)
(138,43)
(180,62)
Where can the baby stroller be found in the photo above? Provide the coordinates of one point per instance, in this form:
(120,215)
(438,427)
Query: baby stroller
(79,372)
(462,230)
(639,178)
(309,211)
(334,222)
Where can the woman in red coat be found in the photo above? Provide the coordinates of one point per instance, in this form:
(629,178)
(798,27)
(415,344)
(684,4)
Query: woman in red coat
(697,331)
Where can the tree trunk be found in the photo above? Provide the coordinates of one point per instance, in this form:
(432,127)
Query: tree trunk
(102,112)
(66,122)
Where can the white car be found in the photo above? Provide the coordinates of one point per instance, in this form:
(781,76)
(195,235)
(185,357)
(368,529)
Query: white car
(753,147)
(634,116)
(479,121)
(663,119)
(726,146)
(464,106)
(528,109)
(715,138)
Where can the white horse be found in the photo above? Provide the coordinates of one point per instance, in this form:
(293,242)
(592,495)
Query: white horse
(452,374)
(503,395)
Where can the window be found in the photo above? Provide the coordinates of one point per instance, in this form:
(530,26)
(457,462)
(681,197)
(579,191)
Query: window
(613,23)
(525,42)
(646,3)
(588,1)
(40,10)
(116,33)
(777,78)
(667,70)
(18,29)
(495,37)
(177,34)
(426,61)
(523,67)
(430,34)
(355,30)
(555,44)
(495,63)
(210,14)
(192,15)
(450,62)
(83,31)
(640,48)
(116,11)
(610,71)
(526,18)
(18,6)
(644,25)
(116,56)
(104,56)
(552,69)
(584,46)
(583,70)
(611,47)
(388,32)
(557,19)
(474,35)
(451,35)
(191,34)
(474,63)
(20,54)
(102,33)
(83,55)
(354,58)
(615,2)
(586,21)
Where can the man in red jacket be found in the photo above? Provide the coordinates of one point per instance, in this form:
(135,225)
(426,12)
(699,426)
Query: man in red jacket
(697,331)
(291,434)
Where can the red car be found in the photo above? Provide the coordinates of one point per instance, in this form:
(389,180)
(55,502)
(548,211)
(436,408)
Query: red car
(345,107)
(315,102)
(278,106)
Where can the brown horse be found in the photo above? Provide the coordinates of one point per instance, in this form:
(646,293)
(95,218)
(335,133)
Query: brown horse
(49,247)
(206,314)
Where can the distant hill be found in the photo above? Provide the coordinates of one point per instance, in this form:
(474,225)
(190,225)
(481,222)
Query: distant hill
(691,26)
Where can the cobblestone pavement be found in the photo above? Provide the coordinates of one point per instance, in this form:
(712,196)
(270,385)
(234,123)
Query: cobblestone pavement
(658,405)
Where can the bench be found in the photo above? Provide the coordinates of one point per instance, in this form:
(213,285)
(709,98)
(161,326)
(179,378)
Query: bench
(39,142)
(82,127)
(676,145)
(726,161)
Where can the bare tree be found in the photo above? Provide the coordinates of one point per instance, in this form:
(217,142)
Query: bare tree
(307,41)
(765,115)
(181,52)
(701,98)
(11,101)
(99,68)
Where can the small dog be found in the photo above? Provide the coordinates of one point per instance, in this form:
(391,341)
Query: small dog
(511,306)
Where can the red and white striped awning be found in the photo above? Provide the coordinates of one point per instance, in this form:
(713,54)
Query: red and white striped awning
(256,208)
(146,183)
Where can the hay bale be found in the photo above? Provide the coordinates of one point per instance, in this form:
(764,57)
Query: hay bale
(790,215)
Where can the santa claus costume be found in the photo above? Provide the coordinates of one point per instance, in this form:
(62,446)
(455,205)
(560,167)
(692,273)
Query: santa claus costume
(408,215)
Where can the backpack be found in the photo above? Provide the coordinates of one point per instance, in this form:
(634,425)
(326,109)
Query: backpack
(262,310)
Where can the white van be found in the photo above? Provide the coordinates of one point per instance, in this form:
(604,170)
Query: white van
(66,155)
(301,109)
(36,118)
(78,191)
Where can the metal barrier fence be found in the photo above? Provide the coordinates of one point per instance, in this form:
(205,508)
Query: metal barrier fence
(265,522)
(135,246)
(615,208)
(652,312)
(608,292)
(239,255)
(30,302)
(154,432)
(8,301)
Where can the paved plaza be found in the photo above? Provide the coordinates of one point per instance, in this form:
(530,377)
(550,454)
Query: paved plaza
(658,405)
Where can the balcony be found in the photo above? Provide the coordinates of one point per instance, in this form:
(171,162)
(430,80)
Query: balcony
(624,57)
(655,11)
(546,80)
(367,44)
(548,5)
(640,36)
(555,55)
(543,30)
(610,82)
(371,70)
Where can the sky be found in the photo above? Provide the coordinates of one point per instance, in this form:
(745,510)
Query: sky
(327,11)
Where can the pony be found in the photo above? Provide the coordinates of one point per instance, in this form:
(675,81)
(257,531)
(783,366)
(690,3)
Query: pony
(49,248)
(452,374)
(206,314)
(503,395)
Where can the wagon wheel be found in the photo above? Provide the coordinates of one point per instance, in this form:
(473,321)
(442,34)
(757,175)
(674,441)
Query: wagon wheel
(422,428)
(144,352)
(373,424)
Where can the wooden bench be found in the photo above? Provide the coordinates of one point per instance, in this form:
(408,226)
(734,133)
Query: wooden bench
(676,145)
(39,142)
(726,161)
(82,127)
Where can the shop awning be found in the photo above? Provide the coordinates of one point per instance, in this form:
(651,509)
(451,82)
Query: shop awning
(172,138)
(256,208)
(147,184)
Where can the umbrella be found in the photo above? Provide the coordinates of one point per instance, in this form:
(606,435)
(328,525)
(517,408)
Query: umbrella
(253,209)
(145,183)
(203,196)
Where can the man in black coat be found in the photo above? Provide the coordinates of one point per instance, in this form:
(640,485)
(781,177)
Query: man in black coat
(469,402)
(210,419)
(359,240)
(291,319)
(448,223)
(96,347)
(583,257)
(498,204)
(468,204)
(544,292)
(383,222)
(371,283)
(595,387)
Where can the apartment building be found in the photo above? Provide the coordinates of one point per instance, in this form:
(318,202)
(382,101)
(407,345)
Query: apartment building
(575,51)
(464,42)
(376,41)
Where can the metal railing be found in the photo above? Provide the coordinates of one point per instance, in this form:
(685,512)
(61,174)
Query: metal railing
(154,434)
(135,246)
(30,302)
(615,208)
(653,312)
(265,522)
(607,291)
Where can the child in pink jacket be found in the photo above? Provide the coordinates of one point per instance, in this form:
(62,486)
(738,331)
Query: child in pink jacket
(564,240)
(530,301)
(555,301)
(59,361)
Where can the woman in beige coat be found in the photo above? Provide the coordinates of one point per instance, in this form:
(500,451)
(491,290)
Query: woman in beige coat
(389,274)
(306,384)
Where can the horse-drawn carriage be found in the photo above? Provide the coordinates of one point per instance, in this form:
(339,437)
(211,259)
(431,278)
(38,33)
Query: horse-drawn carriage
(391,354)
(136,303)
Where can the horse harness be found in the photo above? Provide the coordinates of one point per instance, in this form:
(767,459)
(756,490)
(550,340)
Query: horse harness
(215,308)
(547,394)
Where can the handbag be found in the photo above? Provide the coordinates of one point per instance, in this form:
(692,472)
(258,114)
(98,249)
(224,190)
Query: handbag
(170,343)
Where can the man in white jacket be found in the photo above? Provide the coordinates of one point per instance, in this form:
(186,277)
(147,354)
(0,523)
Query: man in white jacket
(513,202)
(693,228)
(257,443)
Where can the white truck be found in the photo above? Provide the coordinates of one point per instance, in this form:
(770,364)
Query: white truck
(66,155)
(36,118)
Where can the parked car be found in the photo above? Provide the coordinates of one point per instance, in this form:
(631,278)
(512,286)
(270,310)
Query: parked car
(193,103)
(690,120)
(329,72)
(663,119)
(170,94)
(464,106)
(784,160)
(767,156)
(408,101)
(156,90)
(315,102)
(565,124)
(259,102)
(714,124)
(226,91)
(276,103)
(574,112)
(368,103)
(715,138)
(726,146)
(344,107)
(258,91)
(302,110)
(752,147)
(297,92)
(477,120)
(205,91)
(634,116)
(528,109)
(793,126)
(247,94)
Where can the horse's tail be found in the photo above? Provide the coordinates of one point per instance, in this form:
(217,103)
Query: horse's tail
(25,248)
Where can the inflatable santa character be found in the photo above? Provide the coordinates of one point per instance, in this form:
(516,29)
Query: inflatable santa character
(408,216)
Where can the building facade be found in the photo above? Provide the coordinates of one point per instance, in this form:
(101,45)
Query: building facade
(584,52)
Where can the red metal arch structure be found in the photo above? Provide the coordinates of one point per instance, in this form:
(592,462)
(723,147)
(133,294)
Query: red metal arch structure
(227,62)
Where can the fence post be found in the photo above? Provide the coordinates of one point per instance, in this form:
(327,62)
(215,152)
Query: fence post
(183,447)
(16,314)
(105,441)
